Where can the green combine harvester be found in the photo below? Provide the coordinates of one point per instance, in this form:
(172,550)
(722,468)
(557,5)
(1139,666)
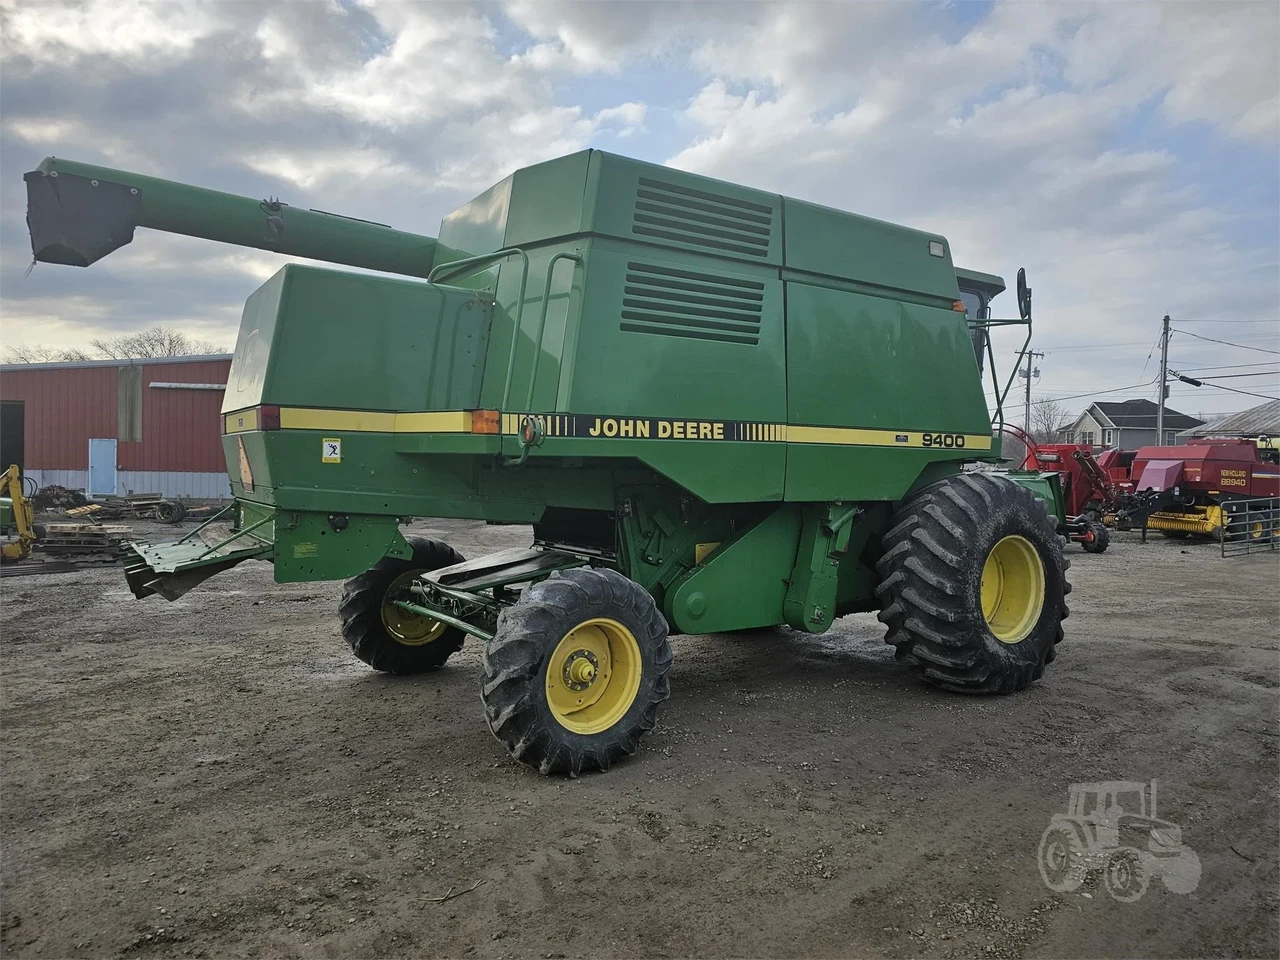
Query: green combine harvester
(718,408)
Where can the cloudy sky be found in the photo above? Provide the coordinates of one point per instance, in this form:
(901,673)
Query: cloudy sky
(1126,153)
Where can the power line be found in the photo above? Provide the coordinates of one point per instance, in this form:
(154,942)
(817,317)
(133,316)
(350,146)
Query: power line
(1195,382)
(1232,366)
(1227,343)
(1247,393)
(1228,376)
(1095,393)
(1204,320)
(1094,346)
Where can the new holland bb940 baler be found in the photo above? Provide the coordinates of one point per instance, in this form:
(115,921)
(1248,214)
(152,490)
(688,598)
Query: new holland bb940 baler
(718,408)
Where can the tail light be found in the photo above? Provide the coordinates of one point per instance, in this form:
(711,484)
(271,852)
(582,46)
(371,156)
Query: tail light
(269,417)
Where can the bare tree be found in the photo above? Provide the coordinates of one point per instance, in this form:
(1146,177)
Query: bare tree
(158,341)
(39,353)
(1048,419)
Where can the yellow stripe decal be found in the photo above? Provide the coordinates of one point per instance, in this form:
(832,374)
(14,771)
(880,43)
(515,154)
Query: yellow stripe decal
(449,421)
(364,421)
(886,438)
(622,428)
(241,422)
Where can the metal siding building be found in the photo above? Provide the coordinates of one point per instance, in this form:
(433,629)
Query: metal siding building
(161,417)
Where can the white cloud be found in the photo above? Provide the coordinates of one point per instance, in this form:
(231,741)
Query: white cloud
(142,31)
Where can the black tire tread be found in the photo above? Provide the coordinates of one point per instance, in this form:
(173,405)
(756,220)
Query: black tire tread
(512,688)
(360,611)
(922,590)
(1101,539)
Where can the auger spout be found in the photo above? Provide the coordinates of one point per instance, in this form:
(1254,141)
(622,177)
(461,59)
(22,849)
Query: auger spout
(77,213)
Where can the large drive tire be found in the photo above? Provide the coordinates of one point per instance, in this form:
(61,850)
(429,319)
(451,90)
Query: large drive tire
(576,670)
(1101,538)
(385,637)
(973,584)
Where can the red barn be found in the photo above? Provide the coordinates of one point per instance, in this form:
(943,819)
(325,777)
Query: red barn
(118,426)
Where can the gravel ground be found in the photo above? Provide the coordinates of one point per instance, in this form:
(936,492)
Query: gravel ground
(219,777)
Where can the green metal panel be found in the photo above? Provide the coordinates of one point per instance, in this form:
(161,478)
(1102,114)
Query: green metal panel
(1046,486)
(651,204)
(253,344)
(547,200)
(678,336)
(820,240)
(711,598)
(861,361)
(477,226)
(310,547)
(358,342)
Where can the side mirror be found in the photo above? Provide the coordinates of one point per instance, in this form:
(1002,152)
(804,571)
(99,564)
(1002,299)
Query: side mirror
(1024,295)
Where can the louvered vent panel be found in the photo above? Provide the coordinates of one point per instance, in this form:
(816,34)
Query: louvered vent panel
(681,303)
(712,221)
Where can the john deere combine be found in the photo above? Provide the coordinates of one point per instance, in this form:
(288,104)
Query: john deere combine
(718,408)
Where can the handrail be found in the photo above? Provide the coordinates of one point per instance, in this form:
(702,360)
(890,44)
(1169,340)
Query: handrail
(485,258)
(237,535)
(217,516)
(1000,396)
(542,320)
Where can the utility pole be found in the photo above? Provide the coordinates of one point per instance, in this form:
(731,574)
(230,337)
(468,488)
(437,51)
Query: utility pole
(1164,379)
(1029,373)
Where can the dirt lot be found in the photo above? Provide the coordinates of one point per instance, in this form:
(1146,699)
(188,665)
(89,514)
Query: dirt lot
(218,777)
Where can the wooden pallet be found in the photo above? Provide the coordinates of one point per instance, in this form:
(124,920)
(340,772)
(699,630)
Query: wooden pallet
(102,530)
(63,539)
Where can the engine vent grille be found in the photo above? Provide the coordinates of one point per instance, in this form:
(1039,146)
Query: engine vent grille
(712,221)
(681,303)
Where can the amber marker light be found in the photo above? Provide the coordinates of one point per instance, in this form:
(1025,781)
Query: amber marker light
(486,421)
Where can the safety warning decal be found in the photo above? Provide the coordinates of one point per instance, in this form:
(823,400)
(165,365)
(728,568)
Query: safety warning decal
(331,450)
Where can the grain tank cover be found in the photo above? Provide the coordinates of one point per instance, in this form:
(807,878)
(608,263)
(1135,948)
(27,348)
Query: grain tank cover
(593,193)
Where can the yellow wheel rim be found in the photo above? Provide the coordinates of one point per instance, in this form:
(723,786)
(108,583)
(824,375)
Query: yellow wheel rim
(593,676)
(409,629)
(1257,530)
(1012,589)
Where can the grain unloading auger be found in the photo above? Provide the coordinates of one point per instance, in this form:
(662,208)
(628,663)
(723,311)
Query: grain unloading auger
(718,408)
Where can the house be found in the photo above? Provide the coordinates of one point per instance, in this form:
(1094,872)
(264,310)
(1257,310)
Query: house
(1260,421)
(1126,425)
